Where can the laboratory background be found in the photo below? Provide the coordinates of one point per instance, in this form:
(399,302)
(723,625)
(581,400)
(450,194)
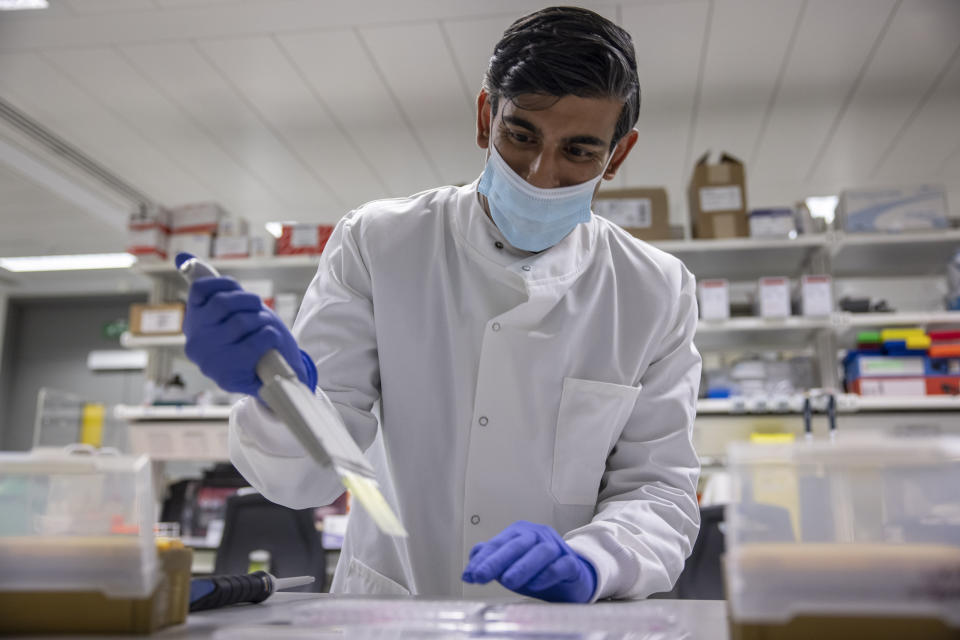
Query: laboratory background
(801,157)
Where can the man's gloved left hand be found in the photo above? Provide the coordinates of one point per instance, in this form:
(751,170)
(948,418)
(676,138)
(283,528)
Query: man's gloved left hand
(533,560)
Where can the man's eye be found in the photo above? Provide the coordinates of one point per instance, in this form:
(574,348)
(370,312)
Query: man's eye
(518,137)
(580,152)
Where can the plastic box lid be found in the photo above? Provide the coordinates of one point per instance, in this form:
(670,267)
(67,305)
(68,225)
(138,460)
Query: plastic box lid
(866,525)
(77,520)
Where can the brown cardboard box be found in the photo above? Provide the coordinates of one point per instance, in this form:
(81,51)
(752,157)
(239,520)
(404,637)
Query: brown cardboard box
(156,319)
(644,212)
(718,198)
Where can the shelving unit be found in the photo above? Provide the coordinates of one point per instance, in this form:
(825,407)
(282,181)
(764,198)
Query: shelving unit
(837,254)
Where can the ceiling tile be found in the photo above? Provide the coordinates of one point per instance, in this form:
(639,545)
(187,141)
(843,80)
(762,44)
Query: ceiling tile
(277,89)
(930,138)
(125,92)
(747,43)
(415,63)
(337,67)
(35,87)
(921,38)
(832,45)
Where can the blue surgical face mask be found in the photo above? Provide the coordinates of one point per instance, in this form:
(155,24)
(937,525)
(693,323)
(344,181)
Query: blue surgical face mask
(531,218)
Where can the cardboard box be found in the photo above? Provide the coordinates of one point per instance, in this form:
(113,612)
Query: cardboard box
(156,319)
(229,226)
(199,244)
(718,198)
(772,223)
(149,217)
(644,213)
(231,247)
(893,210)
(714,299)
(816,296)
(148,243)
(773,297)
(303,239)
(200,217)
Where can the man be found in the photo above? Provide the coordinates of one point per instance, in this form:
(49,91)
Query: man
(521,373)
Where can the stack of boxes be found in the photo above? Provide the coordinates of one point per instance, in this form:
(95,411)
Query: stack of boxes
(147,232)
(904,362)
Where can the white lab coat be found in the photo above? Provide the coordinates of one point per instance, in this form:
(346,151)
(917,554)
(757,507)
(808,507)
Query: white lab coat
(557,388)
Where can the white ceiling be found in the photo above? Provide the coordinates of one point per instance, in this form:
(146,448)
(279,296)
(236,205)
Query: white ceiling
(300,109)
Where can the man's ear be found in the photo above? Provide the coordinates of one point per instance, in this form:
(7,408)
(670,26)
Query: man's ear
(483,119)
(620,153)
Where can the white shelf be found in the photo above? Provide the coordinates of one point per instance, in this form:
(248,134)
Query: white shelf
(131,341)
(745,258)
(916,318)
(893,255)
(846,403)
(279,268)
(185,412)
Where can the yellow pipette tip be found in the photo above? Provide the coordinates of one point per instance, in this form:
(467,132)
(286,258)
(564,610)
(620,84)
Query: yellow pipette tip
(367,493)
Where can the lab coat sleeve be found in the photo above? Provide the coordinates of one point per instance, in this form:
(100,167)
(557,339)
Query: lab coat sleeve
(647,517)
(335,326)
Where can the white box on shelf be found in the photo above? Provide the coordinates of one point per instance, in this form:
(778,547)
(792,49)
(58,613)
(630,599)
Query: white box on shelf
(231,247)
(816,295)
(147,243)
(772,223)
(229,226)
(261,247)
(714,299)
(200,217)
(773,297)
(893,209)
(198,244)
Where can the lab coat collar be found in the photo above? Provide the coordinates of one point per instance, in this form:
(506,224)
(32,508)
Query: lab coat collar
(547,274)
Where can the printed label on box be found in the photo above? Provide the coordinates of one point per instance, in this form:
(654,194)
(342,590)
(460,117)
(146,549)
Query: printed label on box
(714,300)
(774,297)
(160,321)
(303,235)
(634,213)
(915,387)
(720,199)
(891,366)
(817,296)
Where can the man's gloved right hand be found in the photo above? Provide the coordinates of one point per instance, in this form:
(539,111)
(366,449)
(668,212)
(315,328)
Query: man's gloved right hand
(228,330)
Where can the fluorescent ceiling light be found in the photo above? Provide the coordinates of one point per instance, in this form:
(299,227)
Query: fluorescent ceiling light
(14,5)
(274,228)
(822,207)
(69,263)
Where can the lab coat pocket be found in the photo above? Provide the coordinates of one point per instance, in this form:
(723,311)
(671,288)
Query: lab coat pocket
(592,415)
(361,579)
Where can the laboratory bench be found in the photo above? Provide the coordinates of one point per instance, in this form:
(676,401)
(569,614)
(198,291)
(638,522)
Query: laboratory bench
(699,619)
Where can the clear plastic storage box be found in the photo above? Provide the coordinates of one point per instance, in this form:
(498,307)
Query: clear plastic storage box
(77,522)
(861,527)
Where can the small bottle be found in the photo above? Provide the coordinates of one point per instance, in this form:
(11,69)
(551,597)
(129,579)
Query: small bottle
(259,560)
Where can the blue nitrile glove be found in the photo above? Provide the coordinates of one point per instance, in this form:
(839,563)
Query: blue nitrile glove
(228,330)
(533,560)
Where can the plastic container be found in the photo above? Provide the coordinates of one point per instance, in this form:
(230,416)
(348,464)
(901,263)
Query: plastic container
(77,538)
(864,528)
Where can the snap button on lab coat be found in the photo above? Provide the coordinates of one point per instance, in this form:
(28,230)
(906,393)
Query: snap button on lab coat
(495,326)
(525,267)
(498,244)
(483,421)
(474,519)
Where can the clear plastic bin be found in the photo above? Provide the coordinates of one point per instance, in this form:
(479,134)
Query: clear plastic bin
(864,527)
(77,521)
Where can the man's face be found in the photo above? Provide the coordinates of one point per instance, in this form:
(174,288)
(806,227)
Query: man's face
(554,142)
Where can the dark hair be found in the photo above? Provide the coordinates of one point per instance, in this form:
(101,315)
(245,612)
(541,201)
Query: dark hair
(561,51)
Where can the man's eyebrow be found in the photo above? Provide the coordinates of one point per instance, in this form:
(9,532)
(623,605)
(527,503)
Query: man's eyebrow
(520,122)
(526,124)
